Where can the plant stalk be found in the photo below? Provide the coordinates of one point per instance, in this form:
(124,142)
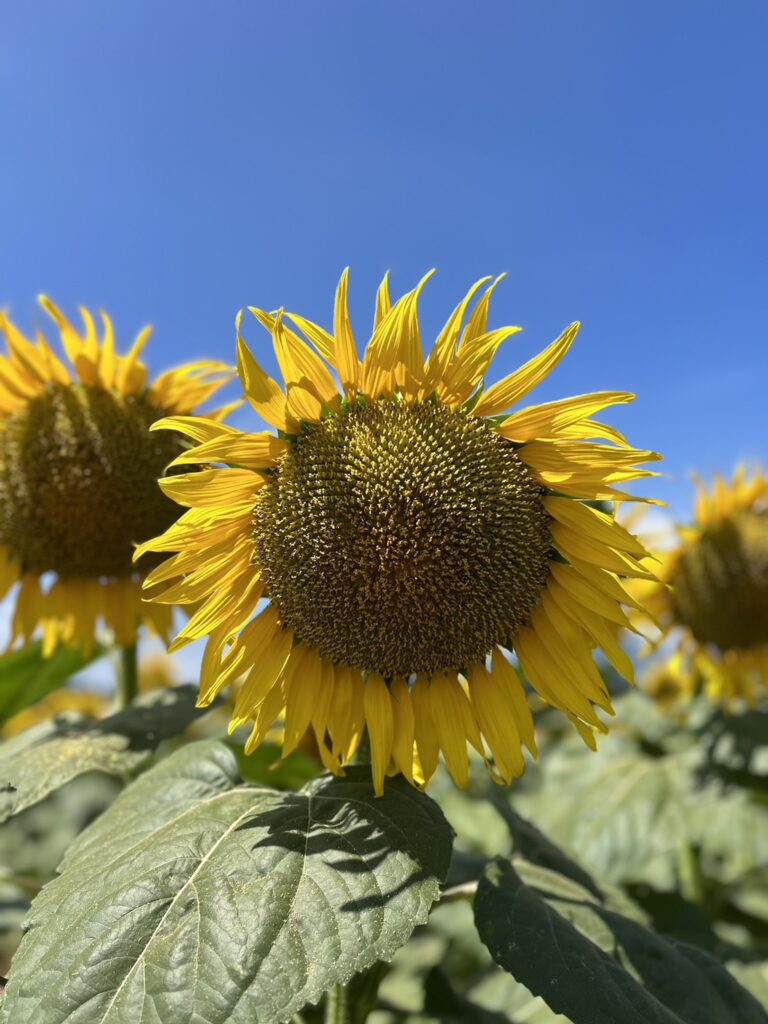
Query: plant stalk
(337,1005)
(127,677)
(691,878)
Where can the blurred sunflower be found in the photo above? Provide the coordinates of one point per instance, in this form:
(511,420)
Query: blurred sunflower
(711,600)
(78,477)
(82,702)
(666,681)
(406,532)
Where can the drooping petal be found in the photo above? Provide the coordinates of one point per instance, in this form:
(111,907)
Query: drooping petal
(380,722)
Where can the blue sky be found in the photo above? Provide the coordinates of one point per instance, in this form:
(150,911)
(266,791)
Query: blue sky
(174,161)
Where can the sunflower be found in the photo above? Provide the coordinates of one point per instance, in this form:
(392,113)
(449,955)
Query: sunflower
(78,477)
(711,600)
(87,703)
(373,562)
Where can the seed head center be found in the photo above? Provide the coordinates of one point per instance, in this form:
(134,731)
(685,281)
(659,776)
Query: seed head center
(402,538)
(720,584)
(78,481)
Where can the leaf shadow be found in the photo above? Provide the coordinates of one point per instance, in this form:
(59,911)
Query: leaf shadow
(352,835)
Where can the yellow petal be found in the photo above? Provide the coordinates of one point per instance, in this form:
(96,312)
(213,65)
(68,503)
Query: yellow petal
(264,394)
(426,737)
(208,488)
(251,451)
(478,320)
(199,428)
(602,631)
(383,301)
(497,722)
(318,336)
(550,419)
(131,374)
(266,716)
(445,697)
(582,591)
(508,681)
(445,344)
(303,685)
(571,649)
(393,357)
(502,396)
(471,363)
(263,675)
(256,643)
(404,733)
(347,715)
(233,604)
(347,363)
(309,383)
(380,722)
(570,542)
(597,525)
(548,677)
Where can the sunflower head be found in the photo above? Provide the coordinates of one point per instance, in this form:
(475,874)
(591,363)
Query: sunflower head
(402,538)
(713,598)
(78,469)
(379,561)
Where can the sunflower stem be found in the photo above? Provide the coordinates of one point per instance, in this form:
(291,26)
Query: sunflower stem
(127,677)
(337,1005)
(689,871)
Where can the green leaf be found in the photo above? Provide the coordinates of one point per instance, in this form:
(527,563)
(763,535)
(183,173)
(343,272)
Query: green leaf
(26,676)
(49,755)
(595,965)
(196,897)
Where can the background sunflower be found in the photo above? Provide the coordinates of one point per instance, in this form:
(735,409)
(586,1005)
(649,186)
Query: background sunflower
(78,471)
(711,600)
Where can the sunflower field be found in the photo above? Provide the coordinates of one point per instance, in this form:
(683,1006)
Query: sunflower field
(383,799)
(379,642)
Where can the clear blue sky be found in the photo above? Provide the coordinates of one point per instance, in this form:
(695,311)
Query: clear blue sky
(173,161)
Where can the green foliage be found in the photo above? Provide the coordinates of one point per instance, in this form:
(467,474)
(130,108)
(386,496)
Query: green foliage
(33,843)
(223,888)
(49,755)
(673,807)
(195,896)
(26,676)
(594,964)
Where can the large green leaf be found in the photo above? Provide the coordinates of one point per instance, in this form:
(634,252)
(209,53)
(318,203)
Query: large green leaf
(26,676)
(595,965)
(196,897)
(49,755)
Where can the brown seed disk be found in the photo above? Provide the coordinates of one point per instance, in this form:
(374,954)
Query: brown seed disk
(720,584)
(78,481)
(402,538)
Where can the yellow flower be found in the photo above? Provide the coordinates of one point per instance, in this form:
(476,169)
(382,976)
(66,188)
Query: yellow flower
(711,600)
(59,702)
(78,477)
(667,682)
(157,671)
(405,531)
